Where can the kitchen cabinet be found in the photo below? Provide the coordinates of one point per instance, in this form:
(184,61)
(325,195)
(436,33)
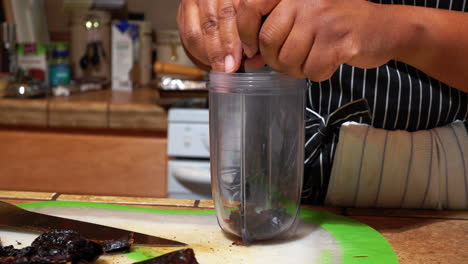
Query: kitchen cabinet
(83,163)
(101,143)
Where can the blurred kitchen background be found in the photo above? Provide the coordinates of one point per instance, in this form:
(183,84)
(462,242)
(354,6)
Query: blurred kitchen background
(98,97)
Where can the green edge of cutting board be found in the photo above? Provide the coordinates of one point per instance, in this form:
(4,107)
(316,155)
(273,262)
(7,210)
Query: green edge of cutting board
(359,243)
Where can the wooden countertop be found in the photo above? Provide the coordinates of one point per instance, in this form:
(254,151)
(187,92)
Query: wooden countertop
(417,236)
(103,109)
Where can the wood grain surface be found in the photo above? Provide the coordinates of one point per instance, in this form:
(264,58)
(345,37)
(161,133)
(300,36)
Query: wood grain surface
(104,109)
(78,114)
(83,164)
(23,112)
(137,116)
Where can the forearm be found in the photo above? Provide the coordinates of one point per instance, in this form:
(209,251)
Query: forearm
(434,41)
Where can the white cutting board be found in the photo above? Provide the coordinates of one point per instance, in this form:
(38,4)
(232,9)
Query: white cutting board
(314,241)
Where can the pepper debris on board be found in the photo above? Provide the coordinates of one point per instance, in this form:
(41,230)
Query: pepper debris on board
(69,247)
(56,246)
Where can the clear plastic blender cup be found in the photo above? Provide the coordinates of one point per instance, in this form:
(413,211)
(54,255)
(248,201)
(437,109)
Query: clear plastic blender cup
(256,152)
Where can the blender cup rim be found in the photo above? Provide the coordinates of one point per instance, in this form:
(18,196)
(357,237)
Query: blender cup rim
(249,74)
(251,82)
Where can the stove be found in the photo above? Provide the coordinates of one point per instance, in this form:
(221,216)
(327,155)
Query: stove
(188,149)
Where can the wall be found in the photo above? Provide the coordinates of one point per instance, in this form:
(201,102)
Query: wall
(57,19)
(161,13)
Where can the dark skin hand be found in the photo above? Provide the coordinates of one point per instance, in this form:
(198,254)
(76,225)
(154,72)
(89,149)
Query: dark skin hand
(209,33)
(208,30)
(311,38)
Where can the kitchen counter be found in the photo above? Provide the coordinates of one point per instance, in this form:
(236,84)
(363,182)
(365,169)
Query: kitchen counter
(417,236)
(103,109)
(70,140)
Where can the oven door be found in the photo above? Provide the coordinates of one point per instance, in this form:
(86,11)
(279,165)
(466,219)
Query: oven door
(189,179)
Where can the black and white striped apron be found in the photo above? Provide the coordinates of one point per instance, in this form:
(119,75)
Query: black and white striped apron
(398,96)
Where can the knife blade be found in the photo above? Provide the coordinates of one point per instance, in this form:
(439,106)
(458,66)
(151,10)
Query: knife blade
(15,217)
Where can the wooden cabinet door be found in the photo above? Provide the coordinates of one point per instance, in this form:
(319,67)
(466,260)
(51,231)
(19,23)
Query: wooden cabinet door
(83,163)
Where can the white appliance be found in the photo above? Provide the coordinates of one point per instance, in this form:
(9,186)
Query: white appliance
(188,171)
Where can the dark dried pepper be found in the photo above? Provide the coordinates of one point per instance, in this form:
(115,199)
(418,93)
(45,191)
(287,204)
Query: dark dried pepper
(67,242)
(183,256)
(118,245)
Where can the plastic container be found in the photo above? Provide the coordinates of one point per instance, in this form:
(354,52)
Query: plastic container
(256,152)
(59,68)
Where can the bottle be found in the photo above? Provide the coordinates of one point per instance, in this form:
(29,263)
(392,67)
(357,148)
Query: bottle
(59,69)
(8,62)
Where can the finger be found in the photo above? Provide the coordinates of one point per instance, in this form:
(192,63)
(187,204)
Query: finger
(256,62)
(179,16)
(192,35)
(229,35)
(249,20)
(274,33)
(212,38)
(322,62)
(296,48)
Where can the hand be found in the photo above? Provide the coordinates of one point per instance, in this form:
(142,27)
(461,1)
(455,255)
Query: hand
(311,38)
(208,31)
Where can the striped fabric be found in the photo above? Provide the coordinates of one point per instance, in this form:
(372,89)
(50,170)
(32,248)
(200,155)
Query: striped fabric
(400,97)
(376,167)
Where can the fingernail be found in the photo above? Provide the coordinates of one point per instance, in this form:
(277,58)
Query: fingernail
(248,52)
(229,63)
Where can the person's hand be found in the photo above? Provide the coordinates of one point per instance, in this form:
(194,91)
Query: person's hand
(208,31)
(311,38)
